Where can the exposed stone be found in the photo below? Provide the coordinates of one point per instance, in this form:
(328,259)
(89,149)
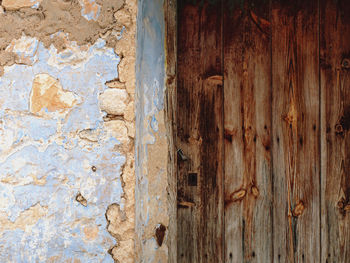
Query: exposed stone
(131,129)
(118,225)
(81,199)
(116,84)
(54,16)
(48,94)
(113,101)
(126,74)
(123,253)
(17,4)
(129,114)
(90,135)
(123,17)
(117,129)
(24,50)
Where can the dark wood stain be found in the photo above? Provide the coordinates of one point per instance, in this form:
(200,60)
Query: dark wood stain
(200,133)
(263,124)
(335,134)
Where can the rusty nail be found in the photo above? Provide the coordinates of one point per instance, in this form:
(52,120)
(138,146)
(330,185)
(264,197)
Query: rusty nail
(182,155)
(298,209)
(160,234)
(238,195)
(345,63)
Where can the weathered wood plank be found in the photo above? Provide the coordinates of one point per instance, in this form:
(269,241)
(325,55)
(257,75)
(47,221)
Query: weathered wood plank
(335,129)
(200,133)
(170,12)
(247,106)
(296,152)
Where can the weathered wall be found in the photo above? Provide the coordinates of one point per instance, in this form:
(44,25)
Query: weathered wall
(151,141)
(67,130)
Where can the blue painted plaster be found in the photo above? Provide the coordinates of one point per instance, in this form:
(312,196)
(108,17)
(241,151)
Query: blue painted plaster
(49,148)
(150,90)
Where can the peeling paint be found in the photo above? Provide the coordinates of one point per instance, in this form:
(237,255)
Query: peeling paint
(90,9)
(151,142)
(67,82)
(42,158)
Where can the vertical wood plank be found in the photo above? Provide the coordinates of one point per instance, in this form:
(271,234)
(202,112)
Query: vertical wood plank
(335,131)
(247,107)
(296,163)
(170,12)
(200,133)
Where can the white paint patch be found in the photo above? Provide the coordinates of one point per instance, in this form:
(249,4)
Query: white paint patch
(25,48)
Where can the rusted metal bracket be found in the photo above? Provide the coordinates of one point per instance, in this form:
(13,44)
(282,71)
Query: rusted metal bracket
(181,155)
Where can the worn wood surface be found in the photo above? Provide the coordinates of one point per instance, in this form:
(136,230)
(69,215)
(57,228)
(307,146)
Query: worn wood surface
(247,111)
(200,134)
(335,90)
(277,134)
(170,14)
(295,118)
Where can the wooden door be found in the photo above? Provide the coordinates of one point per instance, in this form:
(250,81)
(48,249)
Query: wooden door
(263,131)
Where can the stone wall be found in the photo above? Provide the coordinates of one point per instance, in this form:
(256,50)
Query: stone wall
(67,85)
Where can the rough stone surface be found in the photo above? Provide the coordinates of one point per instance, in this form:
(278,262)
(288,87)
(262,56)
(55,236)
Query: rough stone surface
(78,19)
(66,148)
(113,101)
(17,4)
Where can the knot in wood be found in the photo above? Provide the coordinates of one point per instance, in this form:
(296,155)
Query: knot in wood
(238,195)
(345,63)
(340,204)
(291,116)
(255,191)
(216,80)
(186,204)
(339,129)
(298,209)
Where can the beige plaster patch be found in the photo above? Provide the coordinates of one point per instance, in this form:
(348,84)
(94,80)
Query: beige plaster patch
(17,4)
(48,94)
(27,219)
(91,232)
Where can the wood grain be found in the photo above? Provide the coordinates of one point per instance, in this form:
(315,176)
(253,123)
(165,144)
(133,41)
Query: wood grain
(247,107)
(335,90)
(200,133)
(295,110)
(170,14)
